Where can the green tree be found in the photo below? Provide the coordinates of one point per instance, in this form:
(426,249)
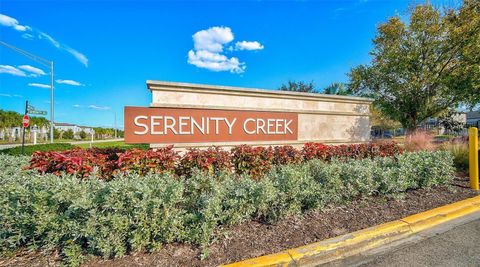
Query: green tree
(421,69)
(381,122)
(449,121)
(56,133)
(102,133)
(337,89)
(10,119)
(82,135)
(294,86)
(39,121)
(14,119)
(68,134)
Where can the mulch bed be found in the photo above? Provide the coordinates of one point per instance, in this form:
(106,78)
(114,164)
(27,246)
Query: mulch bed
(254,238)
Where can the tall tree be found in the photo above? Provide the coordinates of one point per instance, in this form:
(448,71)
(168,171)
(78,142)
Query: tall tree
(82,134)
(381,122)
(39,121)
(68,134)
(14,119)
(337,89)
(421,69)
(451,121)
(294,86)
(10,119)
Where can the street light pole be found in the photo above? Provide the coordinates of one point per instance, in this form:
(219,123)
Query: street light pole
(46,63)
(115,124)
(52,121)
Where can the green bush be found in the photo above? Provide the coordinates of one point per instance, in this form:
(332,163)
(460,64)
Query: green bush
(68,134)
(424,169)
(140,213)
(56,133)
(30,149)
(295,191)
(82,134)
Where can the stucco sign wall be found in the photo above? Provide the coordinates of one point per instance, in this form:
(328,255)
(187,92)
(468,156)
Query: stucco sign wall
(198,115)
(177,125)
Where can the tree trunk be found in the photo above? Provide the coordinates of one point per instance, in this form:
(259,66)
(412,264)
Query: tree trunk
(411,130)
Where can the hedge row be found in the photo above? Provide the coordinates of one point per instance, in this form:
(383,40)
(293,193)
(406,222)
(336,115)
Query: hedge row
(136,212)
(244,159)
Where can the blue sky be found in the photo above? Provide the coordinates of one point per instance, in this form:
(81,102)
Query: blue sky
(104,51)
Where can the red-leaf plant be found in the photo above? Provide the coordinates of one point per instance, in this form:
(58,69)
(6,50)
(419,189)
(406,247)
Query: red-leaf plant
(212,160)
(255,161)
(156,161)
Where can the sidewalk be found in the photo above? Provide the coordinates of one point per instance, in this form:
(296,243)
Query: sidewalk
(458,246)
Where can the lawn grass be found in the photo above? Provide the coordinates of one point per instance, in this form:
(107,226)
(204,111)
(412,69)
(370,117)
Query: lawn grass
(116,144)
(30,149)
(59,146)
(39,141)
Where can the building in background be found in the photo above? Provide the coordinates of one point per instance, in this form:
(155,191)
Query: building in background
(473,118)
(14,134)
(62,126)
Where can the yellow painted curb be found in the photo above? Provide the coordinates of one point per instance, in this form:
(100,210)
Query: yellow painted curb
(349,244)
(278,259)
(353,243)
(430,218)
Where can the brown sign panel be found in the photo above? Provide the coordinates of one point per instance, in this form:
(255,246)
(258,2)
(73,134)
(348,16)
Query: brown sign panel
(185,125)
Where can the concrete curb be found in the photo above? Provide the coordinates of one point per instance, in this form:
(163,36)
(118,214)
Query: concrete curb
(344,246)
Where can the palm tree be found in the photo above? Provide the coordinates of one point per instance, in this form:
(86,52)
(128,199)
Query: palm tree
(337,89)
(294,86)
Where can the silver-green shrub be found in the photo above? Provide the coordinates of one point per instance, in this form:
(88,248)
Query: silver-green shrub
(140,213)
(424,169)
(296,190)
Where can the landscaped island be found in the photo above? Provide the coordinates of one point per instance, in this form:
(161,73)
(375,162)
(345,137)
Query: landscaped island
(112,202)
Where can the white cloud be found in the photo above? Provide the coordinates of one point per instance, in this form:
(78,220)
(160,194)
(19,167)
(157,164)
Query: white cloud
(69,82)
(23,70)
(42,35)
(40,85)
(12,23)
(77,106)
(212,39)
(27,36)
(12,70)
(215,62)
(9,95)
(99,107)
(34,71)
(246,45)
(79,56)
(208,50)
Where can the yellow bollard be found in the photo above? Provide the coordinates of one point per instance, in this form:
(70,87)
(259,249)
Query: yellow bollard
(473,157)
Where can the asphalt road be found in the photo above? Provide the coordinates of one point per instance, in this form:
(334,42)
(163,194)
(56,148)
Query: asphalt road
(459,246)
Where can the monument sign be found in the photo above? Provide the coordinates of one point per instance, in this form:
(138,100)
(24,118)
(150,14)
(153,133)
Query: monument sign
(195,115)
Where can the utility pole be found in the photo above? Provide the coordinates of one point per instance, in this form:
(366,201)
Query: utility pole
(45,63)
(115,124)
(23,128)
(52,122)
